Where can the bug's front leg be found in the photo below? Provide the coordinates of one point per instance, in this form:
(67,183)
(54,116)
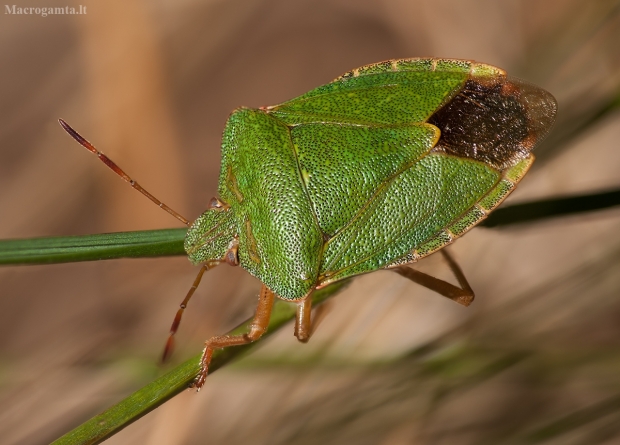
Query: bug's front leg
(257,328)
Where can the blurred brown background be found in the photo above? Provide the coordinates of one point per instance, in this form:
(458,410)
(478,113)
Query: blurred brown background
(536,358)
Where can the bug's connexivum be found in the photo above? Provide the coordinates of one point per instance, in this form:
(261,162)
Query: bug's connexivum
(383,166)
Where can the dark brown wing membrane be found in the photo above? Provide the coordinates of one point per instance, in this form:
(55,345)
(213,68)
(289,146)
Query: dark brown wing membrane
(495,124)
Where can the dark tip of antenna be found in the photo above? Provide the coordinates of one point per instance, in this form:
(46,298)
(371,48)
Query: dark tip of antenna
(74,134)
(65,125)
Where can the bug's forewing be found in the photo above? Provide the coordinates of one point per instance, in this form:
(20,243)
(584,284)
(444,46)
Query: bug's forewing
(488,126)
(354,135)
(415,206)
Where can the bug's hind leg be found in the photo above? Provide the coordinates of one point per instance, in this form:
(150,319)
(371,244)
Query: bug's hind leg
(257,328)
(463,295)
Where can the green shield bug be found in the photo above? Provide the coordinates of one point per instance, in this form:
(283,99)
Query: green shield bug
(383,166)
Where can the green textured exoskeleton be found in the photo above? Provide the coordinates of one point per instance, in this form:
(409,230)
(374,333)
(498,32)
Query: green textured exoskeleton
(385,165)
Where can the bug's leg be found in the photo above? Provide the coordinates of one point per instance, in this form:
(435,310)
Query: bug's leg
(177,318)
(303,319)
(305,324)
(257,328)
(463,295)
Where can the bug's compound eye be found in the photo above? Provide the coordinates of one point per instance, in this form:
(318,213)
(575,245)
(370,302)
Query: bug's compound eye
(232,254)
(215,203)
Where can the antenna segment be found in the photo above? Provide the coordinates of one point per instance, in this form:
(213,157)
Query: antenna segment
(116,169)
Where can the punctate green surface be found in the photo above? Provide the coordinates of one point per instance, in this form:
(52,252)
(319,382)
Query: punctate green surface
(385,165)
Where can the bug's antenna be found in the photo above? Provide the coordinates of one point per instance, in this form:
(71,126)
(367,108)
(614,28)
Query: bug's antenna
(116,169)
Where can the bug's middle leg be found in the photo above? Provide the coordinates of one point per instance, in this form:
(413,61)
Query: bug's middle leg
(303,320)
(257,328)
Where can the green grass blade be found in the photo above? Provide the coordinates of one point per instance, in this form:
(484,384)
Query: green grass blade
(153,243)
(65,249)
(159,391)
(552,208)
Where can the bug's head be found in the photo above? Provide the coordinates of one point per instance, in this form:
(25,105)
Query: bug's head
(212,236)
